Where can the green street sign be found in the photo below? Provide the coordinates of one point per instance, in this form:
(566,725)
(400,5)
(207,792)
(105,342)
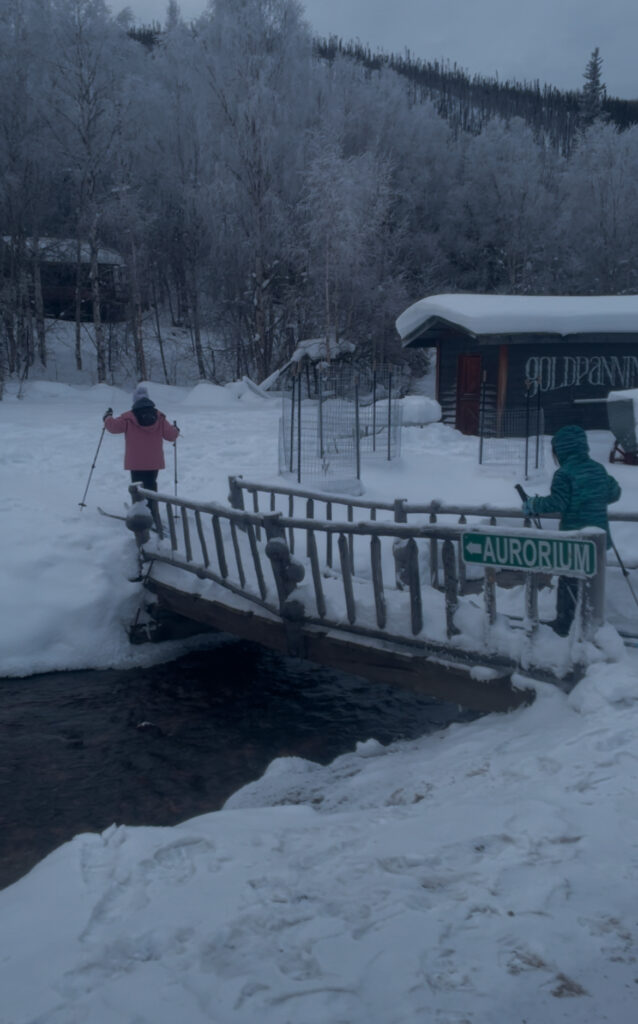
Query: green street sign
(534,553)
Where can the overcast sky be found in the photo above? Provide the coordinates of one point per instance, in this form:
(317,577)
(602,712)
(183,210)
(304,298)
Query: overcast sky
(523,39)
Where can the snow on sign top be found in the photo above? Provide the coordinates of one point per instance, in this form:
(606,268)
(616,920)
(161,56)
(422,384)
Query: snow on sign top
(522,314)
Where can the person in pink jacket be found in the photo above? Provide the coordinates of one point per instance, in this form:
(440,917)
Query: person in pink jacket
(145,429)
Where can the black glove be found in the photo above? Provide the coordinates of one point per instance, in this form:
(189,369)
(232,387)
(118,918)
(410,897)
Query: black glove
(109,412)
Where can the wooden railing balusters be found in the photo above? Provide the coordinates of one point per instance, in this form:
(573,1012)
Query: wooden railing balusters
(346,575)
(451,585)
(291,532)
(446,562)
(252,540)
(310,514)
(377,581)
(256,511)
(531,603)
(416,608)
(489,593)
(202,540)
(329,535)
(187,535)
(236,548)
(434,548)
(171,526)
(316,575)
(219,547)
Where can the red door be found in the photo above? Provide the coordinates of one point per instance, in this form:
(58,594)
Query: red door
(468,394)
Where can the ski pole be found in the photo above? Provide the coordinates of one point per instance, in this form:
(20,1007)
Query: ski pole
(624,570)
(523,495)
(82,503)
(175,458)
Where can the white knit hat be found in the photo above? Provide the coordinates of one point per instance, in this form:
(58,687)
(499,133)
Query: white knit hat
(141,391)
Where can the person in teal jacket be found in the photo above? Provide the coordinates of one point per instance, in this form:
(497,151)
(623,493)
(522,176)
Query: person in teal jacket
(580,492)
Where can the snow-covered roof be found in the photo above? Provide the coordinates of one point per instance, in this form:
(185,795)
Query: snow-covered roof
(521,314)
(318,350)
(64,250)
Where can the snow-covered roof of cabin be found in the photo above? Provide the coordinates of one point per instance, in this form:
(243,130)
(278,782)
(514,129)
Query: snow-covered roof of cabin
(318,350)
(64,250)
(521,314)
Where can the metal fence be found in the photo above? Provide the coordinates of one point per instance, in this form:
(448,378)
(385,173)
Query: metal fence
(513,437)
(334,417)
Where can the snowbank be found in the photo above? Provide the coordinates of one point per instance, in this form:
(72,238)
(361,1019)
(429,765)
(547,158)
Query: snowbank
(481,874)
(417,410)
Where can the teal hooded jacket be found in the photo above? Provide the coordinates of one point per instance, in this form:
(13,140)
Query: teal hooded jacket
(581,488)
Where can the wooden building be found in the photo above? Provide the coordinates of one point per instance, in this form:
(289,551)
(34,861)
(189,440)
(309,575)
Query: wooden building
(64,270)
(500,353)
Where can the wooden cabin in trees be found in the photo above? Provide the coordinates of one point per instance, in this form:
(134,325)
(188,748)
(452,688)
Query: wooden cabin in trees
(63,267)
(498,352)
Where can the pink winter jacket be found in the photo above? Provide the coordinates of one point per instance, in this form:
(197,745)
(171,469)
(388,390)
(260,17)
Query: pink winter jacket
(144,447)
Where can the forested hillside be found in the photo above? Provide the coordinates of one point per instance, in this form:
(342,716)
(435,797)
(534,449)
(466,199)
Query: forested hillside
(262,187)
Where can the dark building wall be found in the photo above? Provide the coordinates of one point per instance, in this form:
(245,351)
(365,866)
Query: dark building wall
(568,372)
(562,372)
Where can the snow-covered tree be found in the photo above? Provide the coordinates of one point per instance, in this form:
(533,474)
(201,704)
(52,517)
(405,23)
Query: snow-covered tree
(598,244)
(502,208)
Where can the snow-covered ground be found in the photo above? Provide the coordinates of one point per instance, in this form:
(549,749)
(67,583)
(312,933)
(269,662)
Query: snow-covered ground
(484,874)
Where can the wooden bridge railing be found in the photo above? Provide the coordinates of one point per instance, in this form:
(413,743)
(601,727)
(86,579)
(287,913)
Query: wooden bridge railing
(249,553)
(321,504)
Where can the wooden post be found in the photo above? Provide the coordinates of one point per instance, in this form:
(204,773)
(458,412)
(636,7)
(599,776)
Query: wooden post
(202,540)
(310,514)
(254,550)
(171,526)
(489,590)
(344,558)
(451,586)
(219,547)
(416,609)
(287,571)
(187,536)
(434,548)
(377,581)
(235,493)
(256,511)
(461,563)
(400,515)
(351,539)
(593,603)
(238,561)
(316,574)
(531,603)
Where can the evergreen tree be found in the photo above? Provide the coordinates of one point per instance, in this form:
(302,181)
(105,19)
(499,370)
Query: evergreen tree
(593,93)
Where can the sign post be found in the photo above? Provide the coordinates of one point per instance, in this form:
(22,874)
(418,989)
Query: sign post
(563,554)
(532,552)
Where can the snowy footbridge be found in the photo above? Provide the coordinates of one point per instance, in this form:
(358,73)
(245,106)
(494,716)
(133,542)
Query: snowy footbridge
(398,593)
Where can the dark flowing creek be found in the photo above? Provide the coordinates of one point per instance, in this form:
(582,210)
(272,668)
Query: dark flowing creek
(156,746)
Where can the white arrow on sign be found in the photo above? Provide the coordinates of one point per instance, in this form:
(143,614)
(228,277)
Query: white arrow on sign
(474,549)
